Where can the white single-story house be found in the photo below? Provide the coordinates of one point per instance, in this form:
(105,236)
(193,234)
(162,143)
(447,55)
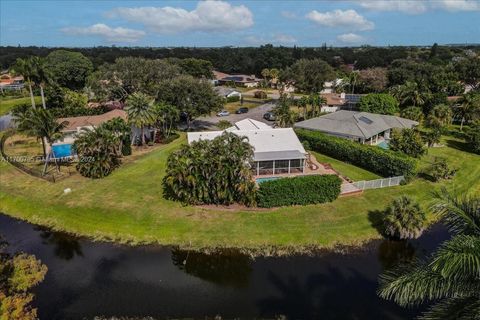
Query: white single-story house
(363,127)
(226,92)
(329,86)
(276,151)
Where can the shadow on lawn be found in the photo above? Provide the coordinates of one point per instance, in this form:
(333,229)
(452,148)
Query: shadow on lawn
(459,145)
(375,218)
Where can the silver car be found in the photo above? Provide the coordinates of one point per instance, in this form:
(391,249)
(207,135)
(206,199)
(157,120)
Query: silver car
(223,113)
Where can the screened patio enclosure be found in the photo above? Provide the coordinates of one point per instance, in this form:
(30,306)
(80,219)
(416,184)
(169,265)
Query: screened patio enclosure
(281,162)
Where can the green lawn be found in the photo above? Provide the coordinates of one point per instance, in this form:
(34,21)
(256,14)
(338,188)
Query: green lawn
(128,207)
(8,104)
(346,169)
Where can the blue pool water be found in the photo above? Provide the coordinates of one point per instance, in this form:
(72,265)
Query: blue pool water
(383,145)
(62,150)
(260,180)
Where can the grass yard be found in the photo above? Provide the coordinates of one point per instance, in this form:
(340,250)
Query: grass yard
(128,207)
(233,106)
(346,169)
(6,105)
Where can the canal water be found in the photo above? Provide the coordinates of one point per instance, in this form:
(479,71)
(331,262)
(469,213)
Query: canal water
(87,279)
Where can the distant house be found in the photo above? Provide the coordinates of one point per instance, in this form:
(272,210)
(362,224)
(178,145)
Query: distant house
(240,80)
(330,86)
(10,82)
(334,102)
(226,92)
(76,124)
(276,151)
(364,127)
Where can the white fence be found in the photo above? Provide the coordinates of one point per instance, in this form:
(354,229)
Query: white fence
(379,183)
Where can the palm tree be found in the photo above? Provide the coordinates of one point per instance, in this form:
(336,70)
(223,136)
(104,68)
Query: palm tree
(139,112)
(404,219)
(440,116)
(284,116)
(100,145)
(450,277)
(42,124)
(468,109)
(413,113)
(410,94)
(43,76)
(165,116)
(302,103)
(274,74)
(265,73)
(27,68)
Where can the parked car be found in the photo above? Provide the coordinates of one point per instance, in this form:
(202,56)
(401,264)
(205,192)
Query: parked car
(223,113)
(242,110)
(269,116)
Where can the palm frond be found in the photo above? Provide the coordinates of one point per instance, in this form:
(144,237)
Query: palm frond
(461,308)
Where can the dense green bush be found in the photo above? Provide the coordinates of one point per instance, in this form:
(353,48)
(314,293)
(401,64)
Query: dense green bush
(211,172)
(404,219)
(383,162)
(381,103)
(408,141)
(473,137)
(298,191)
(259,94)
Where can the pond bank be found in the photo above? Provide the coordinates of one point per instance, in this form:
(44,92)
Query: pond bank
(87,279)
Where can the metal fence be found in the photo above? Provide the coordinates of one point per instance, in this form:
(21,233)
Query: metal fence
(379,183)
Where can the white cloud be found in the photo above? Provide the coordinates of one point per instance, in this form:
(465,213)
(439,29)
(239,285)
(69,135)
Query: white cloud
(110,34)
(288,14)
(419,6)
(408,6)
(350,38)
(207,16)
(278,39)
(341,18)
(457,5)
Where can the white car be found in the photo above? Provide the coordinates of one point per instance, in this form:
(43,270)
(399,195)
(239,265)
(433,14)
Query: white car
(223,113)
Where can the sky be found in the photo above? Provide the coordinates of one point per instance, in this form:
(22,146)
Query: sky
(238,23)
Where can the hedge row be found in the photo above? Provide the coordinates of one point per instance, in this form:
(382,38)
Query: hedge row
(386,163)
(298,191)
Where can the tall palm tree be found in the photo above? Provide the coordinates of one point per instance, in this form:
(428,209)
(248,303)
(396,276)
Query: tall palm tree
(440,116)
(450,278)
(28,69)
(139,112)
(284,116)
(42,124)
(469,108)
(410,93)
(43,76)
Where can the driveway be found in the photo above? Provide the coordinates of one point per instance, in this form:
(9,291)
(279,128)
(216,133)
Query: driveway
(255,114)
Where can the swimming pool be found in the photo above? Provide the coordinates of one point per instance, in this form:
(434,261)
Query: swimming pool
(62,150)
(260,180)
(383,145)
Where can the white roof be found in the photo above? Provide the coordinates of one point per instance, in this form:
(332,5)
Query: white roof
(268,143)
(249,124)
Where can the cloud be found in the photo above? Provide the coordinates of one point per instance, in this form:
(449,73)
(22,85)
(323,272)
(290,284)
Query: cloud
(457,5)
(409,6)
(341,18)
(278,39)
(288,14)
(350,38)
(110,34)
(208,16)
(420,6)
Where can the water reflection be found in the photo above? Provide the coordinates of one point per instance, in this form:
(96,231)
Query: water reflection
(394,252)
(65,246)
(225,267)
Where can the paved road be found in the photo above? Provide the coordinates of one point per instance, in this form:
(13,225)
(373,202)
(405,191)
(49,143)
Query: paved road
(255,114)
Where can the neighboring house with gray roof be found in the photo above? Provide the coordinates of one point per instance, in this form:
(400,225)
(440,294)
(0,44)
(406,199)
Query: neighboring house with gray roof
(359,126)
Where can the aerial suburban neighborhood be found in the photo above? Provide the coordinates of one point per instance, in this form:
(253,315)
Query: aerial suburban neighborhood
(220,159)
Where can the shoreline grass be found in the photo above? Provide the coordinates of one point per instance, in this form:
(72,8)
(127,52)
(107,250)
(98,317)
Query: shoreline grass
(128,207)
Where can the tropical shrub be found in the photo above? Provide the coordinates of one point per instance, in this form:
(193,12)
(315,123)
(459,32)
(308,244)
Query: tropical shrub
(122,130)
(19,273)
(440,169)
(224,124)
(211,172)
(473,137)
(259,94)
(381,103)
(431,137)
(383,162)
(409,142)
(403,219)
(412,113)
(98,152)
(298,191)
(448,278)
